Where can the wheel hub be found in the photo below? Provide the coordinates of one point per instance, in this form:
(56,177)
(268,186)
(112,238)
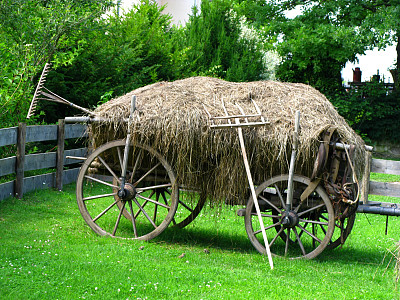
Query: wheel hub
(127,193)
(290,219)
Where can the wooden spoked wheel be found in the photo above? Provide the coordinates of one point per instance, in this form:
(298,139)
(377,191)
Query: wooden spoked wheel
(302,232)
(190,205)
(148,200)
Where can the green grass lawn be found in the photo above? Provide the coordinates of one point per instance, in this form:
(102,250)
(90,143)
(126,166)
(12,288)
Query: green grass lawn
(48,252)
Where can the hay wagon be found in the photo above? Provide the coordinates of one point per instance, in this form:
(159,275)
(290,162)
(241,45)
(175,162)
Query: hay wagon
(160,162)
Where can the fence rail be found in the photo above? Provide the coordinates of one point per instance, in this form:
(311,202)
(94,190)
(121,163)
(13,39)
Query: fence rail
(23,162)
(390,189)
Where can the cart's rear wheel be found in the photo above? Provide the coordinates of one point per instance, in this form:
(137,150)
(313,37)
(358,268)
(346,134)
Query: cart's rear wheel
(302,232)
(149,198)
(189,207)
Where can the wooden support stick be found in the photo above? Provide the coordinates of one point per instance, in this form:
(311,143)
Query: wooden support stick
(253,193)
(289,199)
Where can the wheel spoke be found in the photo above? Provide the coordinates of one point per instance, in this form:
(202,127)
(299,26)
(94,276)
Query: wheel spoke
(156,207)
(311,209)
(104,211)
(119,218)
(299,241)
(133,219)
(275,237)
(265,215)
(287,241)
(280,195)
(153,201)
(268,202)
(98,196)
(185,206)
(268,227)
(147,173)
(145,213)
(119,156)
(144,204)
(309,233)
(101,181)
(109,169)
(135,166)
(323,228)
(313,222)
(139,190)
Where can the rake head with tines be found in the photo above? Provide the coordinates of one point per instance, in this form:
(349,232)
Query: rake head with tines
(42,93)
(237,118)
(38,90)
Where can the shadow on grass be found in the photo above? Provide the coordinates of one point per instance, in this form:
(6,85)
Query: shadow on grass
(198,237)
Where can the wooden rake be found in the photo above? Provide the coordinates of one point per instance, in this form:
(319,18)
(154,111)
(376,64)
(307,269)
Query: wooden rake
(42,93)
(242,120)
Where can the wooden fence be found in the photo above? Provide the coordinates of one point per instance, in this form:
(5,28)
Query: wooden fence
(391,189)
(22,162)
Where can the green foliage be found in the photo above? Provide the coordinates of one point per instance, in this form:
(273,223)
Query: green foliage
(371,110)
(218,46)
(123,54)
(315,52)
(33,32)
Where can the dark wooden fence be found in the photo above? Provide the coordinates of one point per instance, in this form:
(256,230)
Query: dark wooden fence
(22,162)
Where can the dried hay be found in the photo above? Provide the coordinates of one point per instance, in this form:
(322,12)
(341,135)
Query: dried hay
(174,122)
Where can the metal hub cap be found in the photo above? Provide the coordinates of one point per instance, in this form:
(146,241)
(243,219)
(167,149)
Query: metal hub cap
(290,219)
(127,193)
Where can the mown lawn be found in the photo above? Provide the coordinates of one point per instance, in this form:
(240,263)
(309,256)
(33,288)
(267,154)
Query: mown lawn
(48,252)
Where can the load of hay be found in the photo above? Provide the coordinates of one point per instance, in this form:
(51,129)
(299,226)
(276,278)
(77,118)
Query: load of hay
(172,118)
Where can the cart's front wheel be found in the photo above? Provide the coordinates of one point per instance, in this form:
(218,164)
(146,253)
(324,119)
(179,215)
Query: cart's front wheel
(304,231)
(148,200)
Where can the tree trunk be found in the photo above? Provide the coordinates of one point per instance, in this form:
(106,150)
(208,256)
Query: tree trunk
(396,72)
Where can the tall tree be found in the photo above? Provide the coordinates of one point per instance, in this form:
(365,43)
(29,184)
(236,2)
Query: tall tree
(375,23)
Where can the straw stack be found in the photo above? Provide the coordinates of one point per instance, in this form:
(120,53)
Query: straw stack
(171,118)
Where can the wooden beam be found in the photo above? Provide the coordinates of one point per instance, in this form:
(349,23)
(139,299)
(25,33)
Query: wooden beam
(20,161)
(385,166)
(60,154)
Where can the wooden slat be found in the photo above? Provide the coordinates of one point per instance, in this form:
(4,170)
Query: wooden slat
(40,161)
(75,131)
(385,166)
(6,190)
(391,189)
(8,136)
(48,160)
(39,133)
(7,165)
(39,182)
(70,175)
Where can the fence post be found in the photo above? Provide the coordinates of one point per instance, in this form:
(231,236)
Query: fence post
(366,177)
(20,161)
(60,154)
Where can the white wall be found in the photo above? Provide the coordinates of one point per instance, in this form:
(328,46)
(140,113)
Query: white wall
(178,9)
